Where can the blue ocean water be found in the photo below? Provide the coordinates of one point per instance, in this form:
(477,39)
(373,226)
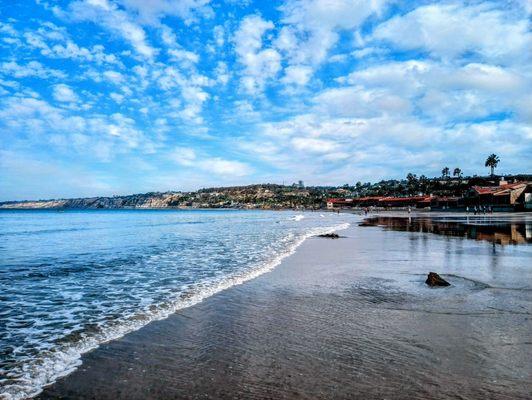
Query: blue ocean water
(71,280)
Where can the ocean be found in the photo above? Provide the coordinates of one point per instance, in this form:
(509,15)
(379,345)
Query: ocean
(71,280)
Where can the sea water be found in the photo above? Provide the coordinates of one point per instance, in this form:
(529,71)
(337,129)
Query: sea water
(71,280)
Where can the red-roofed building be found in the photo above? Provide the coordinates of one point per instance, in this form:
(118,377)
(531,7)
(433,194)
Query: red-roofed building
(505,197)
(339,203)
(509,196)
(402,201)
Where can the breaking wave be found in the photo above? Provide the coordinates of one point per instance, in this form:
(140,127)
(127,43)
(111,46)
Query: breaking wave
(61,356)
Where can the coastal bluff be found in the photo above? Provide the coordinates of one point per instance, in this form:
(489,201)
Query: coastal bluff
(256,196)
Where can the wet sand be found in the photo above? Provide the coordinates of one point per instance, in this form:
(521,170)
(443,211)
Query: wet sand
(341,318)
(514,228)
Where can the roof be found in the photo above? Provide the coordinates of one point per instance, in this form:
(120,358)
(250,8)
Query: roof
(368,198)
(339,200)
(381,199)
(403,199)
(499,190)
(485,189)
(507,189)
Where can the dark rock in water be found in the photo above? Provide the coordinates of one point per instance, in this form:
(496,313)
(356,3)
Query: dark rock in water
(433,279)
(329,235)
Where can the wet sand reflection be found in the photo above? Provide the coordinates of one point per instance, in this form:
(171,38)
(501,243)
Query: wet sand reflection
(495,230)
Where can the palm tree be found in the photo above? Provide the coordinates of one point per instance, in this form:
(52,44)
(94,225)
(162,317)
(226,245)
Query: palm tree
(445,172)
(492,161)
(457,172)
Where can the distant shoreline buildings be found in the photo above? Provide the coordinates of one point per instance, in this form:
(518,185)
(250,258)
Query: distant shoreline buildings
(515,196)
(512,194)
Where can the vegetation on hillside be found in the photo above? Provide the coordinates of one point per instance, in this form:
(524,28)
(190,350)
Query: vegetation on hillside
(274,196)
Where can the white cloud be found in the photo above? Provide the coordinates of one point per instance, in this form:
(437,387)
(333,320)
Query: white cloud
(31,69)
(444,92)
(184,55)
(64,93)
(8,29)
(260,65)
(54,42)
(113,76)
(191,87)
(360,102)
(219,35)
(194,97)
(114,19)
(340,14)
(184,156)
(222,167)
(411,76)
(313,145)
(452,30)
(334,149)
(39,122)
(187,157)
(151,12)
(311,29)
(298,75)
(177,52)
(222,73)
(117,97)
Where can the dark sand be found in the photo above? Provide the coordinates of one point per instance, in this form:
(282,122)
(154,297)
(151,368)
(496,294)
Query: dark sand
(340,319)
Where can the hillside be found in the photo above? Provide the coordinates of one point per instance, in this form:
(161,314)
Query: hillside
(270,196)
(255,196)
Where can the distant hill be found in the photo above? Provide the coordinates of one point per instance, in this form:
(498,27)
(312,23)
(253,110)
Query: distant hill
(269,196)
(256,196)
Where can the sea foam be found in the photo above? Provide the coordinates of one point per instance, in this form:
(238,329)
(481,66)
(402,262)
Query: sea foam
(61,358)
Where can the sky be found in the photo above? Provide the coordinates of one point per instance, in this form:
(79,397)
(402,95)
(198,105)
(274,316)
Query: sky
(108,97)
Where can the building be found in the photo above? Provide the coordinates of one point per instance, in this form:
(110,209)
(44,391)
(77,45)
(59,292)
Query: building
(377,201)
(402,201)
(339,203)
(515,196)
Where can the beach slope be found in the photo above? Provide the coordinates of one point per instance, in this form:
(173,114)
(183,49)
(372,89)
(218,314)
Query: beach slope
(341,318)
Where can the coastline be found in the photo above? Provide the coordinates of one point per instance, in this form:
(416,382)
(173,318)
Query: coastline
(331,321)
(67,353)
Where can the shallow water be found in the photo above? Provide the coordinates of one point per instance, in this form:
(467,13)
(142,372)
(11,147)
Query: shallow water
(72,280)
(343,319)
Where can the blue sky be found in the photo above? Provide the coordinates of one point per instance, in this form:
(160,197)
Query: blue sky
(104,97)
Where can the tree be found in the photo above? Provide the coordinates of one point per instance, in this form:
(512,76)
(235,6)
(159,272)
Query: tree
(412,183)
(424,183)
(457,172)
(492,161)
(445,172)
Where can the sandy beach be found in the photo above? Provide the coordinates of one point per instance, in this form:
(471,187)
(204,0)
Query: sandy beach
(345,318)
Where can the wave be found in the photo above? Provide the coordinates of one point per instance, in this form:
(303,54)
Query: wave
(92,228)
(66,358)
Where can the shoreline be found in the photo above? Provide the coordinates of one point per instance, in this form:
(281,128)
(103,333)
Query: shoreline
(400,212)
(67,359)
(290,333)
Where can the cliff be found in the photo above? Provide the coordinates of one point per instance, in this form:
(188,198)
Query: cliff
(256,196)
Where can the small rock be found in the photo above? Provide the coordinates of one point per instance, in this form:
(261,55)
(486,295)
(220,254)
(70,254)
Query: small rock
(433,279)
(329,235)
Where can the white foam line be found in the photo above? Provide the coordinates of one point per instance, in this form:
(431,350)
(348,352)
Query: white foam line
(63,361)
